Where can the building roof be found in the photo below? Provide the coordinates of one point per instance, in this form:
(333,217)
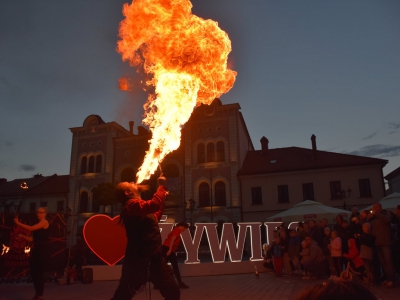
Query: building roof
(37,185)
(300,159)
(393,174)
(56,184)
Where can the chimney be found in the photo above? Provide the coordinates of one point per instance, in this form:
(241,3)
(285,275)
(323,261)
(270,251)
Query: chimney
(131,126)
(314,146)
(264,145)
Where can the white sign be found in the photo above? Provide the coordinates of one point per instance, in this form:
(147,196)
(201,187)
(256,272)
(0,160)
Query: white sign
(229,242)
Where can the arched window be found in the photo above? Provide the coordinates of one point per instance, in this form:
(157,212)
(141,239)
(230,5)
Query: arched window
(201,153)
(204,194)
(99,163)
(220,151)
(128,174)
(210,152)
(171,171)
(84,202)
(83,165)
(91,164)
(220,194)
(95,207)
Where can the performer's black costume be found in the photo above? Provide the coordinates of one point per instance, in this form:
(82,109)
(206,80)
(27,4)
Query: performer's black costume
(143,259)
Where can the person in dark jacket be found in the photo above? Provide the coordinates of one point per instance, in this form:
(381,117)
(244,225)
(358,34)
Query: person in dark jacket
(294,250)
(380,228)
(355,229)
(367,248)
(143,259)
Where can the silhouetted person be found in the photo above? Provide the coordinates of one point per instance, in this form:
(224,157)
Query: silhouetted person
(143,259)
(38,254)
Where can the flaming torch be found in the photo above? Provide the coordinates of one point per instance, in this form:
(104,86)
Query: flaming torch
(185,58)
(5,249)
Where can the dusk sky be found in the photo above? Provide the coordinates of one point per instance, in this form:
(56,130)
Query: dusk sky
(329,68)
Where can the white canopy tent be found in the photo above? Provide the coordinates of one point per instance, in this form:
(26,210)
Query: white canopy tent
(390,202)
(309,210)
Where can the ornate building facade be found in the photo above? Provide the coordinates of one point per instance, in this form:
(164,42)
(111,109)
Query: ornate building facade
(202,172)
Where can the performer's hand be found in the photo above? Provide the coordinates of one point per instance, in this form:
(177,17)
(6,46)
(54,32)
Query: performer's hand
(162,180)
(169,253)
(16,221)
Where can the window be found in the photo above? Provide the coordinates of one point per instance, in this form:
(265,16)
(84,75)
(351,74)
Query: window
(365,188)
(95,207)
(32,206)
(99,163)
(84,202)
(201,153)
(128,175)
(220,194)
(83,165)
(283,193)
(210,152)
(256,195)
(93,127)
(308,191)
(204,194)
(220,151)
(336,189)
(91,164)
(60,206)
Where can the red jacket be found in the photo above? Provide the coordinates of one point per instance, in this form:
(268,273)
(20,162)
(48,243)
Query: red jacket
(354,254)
(139,207)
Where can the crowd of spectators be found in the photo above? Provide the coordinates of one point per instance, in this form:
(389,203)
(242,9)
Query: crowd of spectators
(369,245)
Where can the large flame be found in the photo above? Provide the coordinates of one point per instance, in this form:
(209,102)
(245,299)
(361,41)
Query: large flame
(186,57)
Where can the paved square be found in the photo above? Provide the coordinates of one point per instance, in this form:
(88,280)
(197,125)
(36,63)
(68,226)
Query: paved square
(239,286)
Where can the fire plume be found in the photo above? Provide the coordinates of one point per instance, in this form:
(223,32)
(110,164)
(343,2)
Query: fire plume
(186,58)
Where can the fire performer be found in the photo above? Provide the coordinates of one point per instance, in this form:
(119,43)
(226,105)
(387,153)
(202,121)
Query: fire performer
(143,256)
(38,254)
(169,248)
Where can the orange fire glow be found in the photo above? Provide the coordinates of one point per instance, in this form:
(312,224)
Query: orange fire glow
(186,57)
(124,84)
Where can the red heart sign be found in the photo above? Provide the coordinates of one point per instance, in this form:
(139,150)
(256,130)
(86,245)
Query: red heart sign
(105,238)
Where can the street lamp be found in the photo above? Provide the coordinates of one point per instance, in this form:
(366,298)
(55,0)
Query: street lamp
(23,186)
(344,195)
